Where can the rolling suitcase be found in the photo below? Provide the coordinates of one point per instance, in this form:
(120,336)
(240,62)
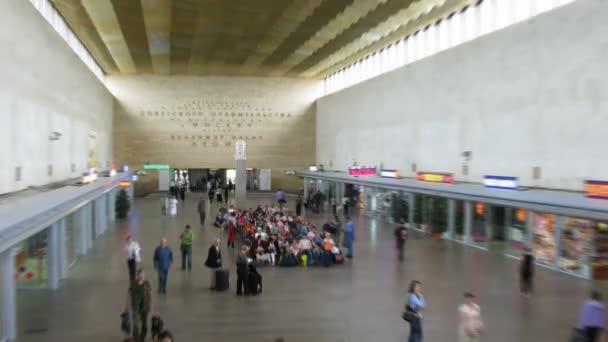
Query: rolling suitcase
(222,278)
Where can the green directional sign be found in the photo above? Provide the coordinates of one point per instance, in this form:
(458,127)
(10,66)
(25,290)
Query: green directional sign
(156,167)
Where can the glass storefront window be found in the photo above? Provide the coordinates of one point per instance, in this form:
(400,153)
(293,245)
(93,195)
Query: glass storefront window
(478,229)
(544,238)
(575,246)
(599,260)
(518,232)
(459,221)
(31,261)
(430,213)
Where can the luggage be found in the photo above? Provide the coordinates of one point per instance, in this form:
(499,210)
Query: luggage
(255,283)
(339,259)
(125,323)
(222,278)
(326,259)
(157,326)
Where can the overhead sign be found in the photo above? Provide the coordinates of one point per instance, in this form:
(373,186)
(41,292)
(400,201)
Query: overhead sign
(500,182)
(362,170)
(156,167)
(313,168)
(596,189)
(389,174)
(435,177)
(125,184)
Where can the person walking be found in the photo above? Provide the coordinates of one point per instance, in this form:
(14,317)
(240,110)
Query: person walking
(349,236)
(345,205)
(471,324)
(231,231)
(526,270)
(214,261)
(133,256)
(139,303)
(400,237)
(416,304)
(299,206)
(201,211)
(281,198)
(242,272)
(226,193)
(163,258)
(592,318)
(182,191)
(218,193)
(186,238)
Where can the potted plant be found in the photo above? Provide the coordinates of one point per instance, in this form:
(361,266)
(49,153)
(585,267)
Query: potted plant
(123,205)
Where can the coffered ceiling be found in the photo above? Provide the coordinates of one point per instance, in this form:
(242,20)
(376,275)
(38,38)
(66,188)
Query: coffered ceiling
(292,38)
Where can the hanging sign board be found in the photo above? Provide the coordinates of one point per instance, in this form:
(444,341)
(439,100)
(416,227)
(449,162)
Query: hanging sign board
(500,182)
(596,189)
(369,170)
(435,177)
(124,184)
(389,174)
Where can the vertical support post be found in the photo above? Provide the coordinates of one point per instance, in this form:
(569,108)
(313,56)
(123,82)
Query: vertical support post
(468,221)
(8,296)
(81,222)
(112,205)
(451,217)
(529,229)
(489,224)
(240,186)
(53,250)
(305,188)
(62,256)
(412,205)
(100,216)
(507,228)
(89,225)
(559,228)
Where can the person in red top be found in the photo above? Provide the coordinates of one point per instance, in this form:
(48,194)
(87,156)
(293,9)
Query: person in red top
(231,233)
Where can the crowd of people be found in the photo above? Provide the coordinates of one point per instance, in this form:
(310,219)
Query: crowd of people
(276,237)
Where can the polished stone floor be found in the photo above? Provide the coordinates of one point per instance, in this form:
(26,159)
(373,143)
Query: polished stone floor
(359,301)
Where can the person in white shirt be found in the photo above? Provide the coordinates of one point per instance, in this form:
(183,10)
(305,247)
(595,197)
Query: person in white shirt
(133,251)
(471,324)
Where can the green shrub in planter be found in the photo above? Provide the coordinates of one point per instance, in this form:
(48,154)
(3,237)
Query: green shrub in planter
(123,205)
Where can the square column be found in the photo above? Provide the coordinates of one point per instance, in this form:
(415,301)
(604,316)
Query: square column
(82,234)
(240,181)
(63,250)
(468,221)
(112,205)
(305,188)
(8,294)
(53,255)
(88,230)
(411,206)
(100,216)
(451,218)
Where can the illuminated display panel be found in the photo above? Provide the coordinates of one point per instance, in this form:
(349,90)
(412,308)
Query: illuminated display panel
(435,177)
(596,189)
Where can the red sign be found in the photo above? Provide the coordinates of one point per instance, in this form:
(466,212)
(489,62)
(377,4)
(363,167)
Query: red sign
(596,189)
(362,170)
(435,177)
(125,184)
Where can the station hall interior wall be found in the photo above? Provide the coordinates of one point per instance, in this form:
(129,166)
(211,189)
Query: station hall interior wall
(531,95)
(44,88)
(193,122)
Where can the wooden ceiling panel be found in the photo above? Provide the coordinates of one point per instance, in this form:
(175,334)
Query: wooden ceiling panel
(297,38)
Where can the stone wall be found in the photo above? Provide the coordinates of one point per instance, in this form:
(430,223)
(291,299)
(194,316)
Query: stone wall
(193,122)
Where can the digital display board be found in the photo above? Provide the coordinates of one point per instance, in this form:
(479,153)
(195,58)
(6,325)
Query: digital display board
(389,174)
(435,177)
(362,170)
(500,182)
(596,189)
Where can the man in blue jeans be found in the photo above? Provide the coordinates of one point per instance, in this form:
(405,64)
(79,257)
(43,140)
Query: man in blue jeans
(163,258)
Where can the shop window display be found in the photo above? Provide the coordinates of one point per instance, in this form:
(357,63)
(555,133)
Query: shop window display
(575,246)
(599,260)
(518,232)
(478,230)
(31,261)
(430,214)
(544,238)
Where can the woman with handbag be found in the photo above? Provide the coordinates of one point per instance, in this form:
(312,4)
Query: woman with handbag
(415,305)
(471,324)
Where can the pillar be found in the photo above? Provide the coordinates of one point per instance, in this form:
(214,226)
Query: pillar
(112,205)
(8,296)
(62,256)
(53,255)
(451,218)
(305,188)
(89,224)
(100,216)
(411,206)
(82,226)
(489,224)
(468,221)
(240,186)
(507,225)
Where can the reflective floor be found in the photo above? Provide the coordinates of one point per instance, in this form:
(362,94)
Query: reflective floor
(358,301)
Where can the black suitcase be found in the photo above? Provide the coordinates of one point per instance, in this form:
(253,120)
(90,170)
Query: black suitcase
(222,278)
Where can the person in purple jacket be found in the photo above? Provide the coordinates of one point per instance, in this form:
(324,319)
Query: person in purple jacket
(592,318)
